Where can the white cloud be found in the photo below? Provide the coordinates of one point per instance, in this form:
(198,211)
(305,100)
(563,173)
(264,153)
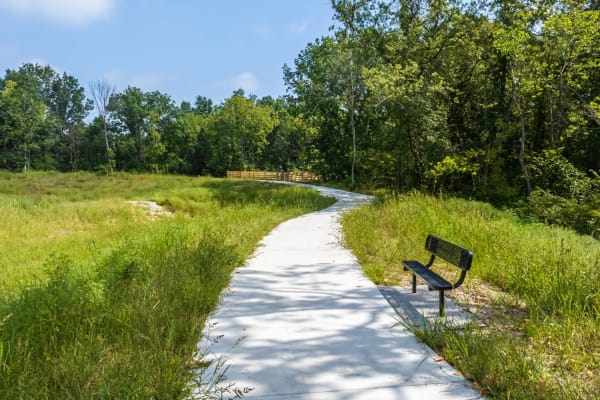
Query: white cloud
(42,62)
(264,31)
(148,81)
(246,81)
(298,28)
(71,12)
(113,77)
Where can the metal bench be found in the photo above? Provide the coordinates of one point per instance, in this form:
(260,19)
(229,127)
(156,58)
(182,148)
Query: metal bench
(447,251)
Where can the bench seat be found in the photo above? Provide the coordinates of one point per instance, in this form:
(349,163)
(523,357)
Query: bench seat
(434,281)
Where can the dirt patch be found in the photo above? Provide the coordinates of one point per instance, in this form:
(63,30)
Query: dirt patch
(491,305)
(151,209)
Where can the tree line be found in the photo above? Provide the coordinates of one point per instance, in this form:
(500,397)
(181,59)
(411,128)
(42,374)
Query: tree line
(43,126)
(493,99)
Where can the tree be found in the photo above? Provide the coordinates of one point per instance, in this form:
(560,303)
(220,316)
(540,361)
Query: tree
(69,106)
(353,14)
(36,82)
(57,139)
(203,105)
(102,92)
(130,112)
(20,115)
(247,126)
(570,73)
(315,82)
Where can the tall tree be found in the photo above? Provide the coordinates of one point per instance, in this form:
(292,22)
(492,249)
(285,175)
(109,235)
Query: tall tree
(37,82)
(102,92)
(203,105)
(320,94)
(69,106)
(130,112)
(20,115)
(248,125)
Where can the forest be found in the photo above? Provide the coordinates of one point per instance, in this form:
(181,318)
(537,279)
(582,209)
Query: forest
(496,100)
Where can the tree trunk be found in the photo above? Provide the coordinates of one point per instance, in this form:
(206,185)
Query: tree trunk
(242,147)
(141,155)
(414,152)
(399,172)
(108,155)
(522,136)
(101,93)
(353,131)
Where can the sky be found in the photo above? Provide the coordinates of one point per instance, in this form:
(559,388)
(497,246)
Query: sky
(183,48)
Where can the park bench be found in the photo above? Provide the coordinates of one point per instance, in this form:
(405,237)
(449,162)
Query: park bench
(447,251)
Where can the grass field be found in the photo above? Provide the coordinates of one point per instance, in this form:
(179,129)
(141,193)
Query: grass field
(100,299)
(536,287)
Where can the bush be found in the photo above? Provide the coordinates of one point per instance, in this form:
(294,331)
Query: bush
(581,215)
(564,196)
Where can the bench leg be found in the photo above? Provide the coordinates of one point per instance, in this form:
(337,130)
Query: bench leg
(442,311)
(414,284)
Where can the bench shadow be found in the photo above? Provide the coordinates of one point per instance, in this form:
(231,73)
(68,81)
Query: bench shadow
(421,309)
(359,346)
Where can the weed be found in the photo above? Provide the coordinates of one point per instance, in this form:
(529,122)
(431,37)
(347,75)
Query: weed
(551,273)
(101,301)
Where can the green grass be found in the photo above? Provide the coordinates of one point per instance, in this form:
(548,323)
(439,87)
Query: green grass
(101,301)
(544,341)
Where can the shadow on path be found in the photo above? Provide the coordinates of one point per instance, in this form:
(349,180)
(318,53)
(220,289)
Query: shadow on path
(301,321)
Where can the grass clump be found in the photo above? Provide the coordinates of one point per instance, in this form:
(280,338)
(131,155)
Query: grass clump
(543,336)
(122,318)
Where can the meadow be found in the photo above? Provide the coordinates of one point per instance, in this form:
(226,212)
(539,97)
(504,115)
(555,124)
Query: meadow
(99,299)
(536,288)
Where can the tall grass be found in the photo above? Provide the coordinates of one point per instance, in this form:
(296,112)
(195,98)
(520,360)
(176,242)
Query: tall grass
(551,273)
(113,306)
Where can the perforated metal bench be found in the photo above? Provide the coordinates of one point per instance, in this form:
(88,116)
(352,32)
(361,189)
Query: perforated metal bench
(449,252)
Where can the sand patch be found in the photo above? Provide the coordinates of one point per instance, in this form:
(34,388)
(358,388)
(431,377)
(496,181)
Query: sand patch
(151,209)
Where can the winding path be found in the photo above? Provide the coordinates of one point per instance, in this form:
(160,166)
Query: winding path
(301,321)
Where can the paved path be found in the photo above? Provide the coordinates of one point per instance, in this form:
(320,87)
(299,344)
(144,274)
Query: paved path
(301,321)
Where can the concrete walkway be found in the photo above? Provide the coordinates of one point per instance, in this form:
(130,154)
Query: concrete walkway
(301,321)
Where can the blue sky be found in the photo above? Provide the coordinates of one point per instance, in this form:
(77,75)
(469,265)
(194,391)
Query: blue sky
(183,48)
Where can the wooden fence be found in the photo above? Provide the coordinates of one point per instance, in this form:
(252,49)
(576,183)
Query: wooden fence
(274,176)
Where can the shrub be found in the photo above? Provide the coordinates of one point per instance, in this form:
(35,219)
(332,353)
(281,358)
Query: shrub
(564,196)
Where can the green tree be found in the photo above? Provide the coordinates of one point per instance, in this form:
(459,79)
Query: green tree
(571,73)
(315,82)
(246,125)
(147,120)
(20,115)
(131,114)
(203,105)
(69,107)
(57,139)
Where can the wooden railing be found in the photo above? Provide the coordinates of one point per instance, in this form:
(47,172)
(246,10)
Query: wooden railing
(274,176)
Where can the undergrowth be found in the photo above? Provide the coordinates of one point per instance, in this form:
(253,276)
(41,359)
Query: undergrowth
(551,273)
(122,318)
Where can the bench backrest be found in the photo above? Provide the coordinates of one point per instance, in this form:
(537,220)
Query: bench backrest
(450,252)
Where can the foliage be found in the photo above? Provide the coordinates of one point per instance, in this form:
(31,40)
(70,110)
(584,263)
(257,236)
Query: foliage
(564,195)
(456,166)
(48,109)
(21,116)
(548,275)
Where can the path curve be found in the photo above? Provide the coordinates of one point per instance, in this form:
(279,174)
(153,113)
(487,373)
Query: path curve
(301,321)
